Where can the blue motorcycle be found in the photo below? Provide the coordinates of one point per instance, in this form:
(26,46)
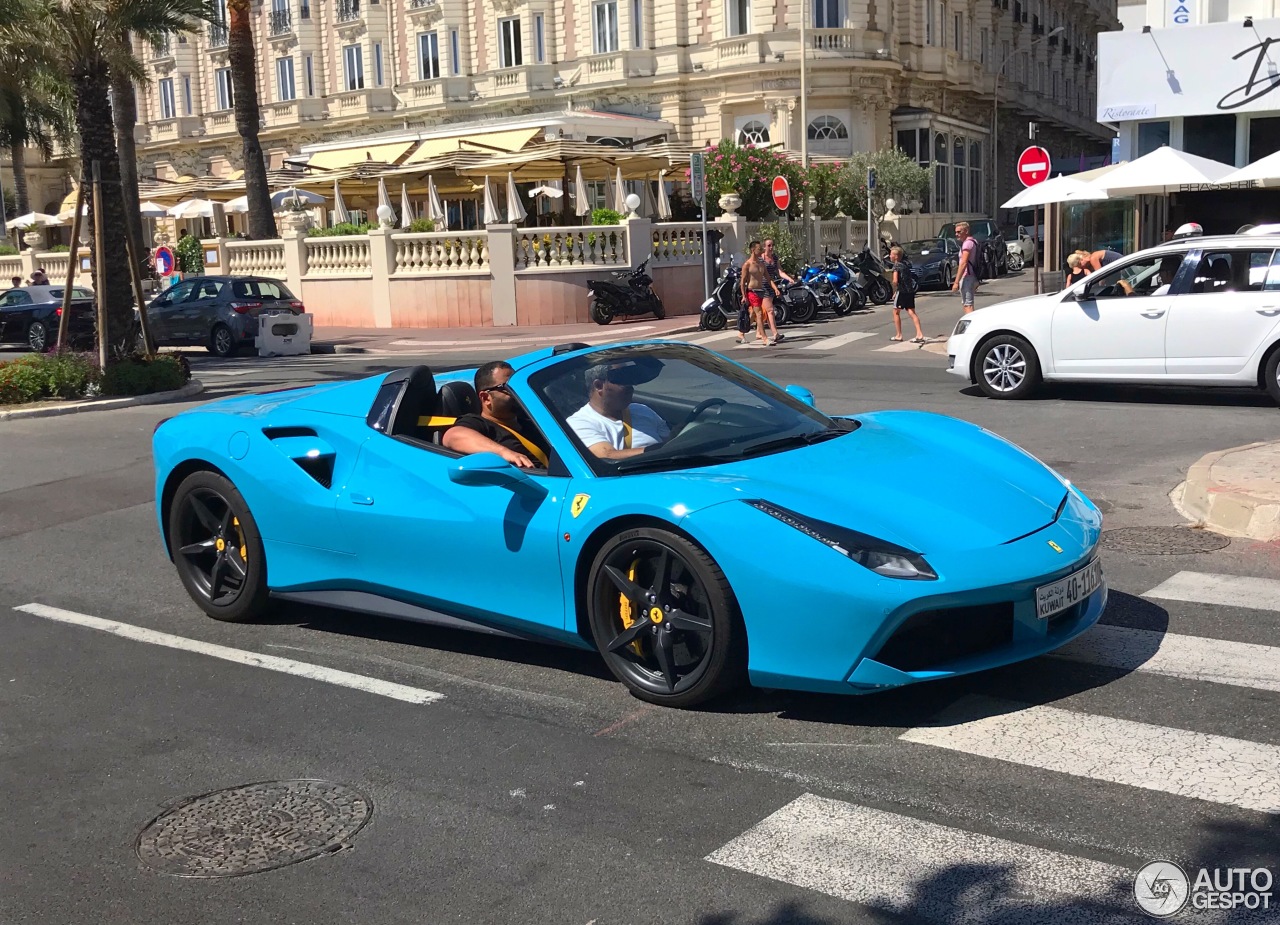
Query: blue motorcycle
(834,284)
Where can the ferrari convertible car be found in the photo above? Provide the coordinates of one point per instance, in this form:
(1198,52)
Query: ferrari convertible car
(759,539)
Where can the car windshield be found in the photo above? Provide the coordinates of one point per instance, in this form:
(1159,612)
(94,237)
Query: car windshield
(683,406)
(924,248)
(1012,236)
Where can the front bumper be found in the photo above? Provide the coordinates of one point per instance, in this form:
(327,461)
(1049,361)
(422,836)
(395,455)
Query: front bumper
(959,351)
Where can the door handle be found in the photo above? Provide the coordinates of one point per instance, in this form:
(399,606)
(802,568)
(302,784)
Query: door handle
(357,498)
(1153,314)
(1269,311)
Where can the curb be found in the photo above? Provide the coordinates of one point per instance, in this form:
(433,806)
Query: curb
(194,387)
(1233,510)
(330,349)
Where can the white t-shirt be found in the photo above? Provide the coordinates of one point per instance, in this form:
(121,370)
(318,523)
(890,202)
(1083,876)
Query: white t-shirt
(592,427)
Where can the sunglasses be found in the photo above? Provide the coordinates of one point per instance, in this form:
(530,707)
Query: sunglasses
(498,388)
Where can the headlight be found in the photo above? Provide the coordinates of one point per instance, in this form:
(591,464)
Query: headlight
(961,326)
(880,556)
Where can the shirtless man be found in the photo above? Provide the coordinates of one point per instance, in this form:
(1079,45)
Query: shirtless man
(758,290)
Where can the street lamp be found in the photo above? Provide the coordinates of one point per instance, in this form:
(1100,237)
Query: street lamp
(995,118)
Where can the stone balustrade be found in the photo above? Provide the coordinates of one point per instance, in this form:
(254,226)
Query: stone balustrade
(340,257)
(256,258)
(677,244)
(440,252)
(566,248)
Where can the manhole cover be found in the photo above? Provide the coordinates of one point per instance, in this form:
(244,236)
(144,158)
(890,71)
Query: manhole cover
(1162,541)
(249,829)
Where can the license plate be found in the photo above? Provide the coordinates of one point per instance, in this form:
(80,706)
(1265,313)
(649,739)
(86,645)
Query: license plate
(1065,592)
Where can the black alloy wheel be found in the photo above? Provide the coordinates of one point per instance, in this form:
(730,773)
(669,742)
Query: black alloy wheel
(216,546)
(598,310)
(663,617)
(1271,375)
(659,310)
(804,307)
(713,319)
(881,290)
(947,276)
(38,337)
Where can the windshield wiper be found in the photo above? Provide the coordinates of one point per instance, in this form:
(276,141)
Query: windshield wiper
(795,440)
(645,462)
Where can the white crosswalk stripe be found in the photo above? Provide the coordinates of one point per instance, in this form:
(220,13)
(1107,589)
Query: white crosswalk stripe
(919,869)
(831,343)
(1196,658)
(713,338)
(1225,590)
(1189,764)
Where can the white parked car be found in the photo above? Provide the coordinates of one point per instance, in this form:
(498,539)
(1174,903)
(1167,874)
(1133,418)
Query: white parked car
(1021,246)
(1200,311)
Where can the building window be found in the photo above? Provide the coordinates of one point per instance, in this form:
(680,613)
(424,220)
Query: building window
(428,56)
(754,132)
(976,179)
(1152,135)
(827,14)
(285,90)
(167,108)
(310,75)
(1213,137)
(959,179)
(929,26)
(957,33)
(353,67)
(637,23)
(984,44)
(941,154)
(510,53)
(604,26)
(1264,138)
(455,52)
(186,93)
(539,38)
(377,64)
(828,128)
(222,81)
(738,16)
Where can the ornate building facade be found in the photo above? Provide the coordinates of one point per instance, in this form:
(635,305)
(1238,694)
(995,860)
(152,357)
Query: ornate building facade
(925,75)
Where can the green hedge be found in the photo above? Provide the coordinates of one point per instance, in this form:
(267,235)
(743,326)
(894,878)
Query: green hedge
(7,250)
(48,375)
(136,375)
(339,230)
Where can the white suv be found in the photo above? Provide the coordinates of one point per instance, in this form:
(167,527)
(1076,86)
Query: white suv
(1200,311)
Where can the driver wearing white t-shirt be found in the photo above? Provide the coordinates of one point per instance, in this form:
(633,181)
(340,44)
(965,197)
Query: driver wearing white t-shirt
(610,424)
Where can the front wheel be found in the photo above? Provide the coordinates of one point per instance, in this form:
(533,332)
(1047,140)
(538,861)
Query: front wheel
(1015,261)
(713,319)
(215,544)
(881,291)
(600,312)
(804,308)
(1007,367)
(659,310)
(38,337)
(663,617)
(947,275)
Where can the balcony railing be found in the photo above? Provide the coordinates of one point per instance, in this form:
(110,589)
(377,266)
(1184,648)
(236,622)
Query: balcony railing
(217,34)
(421,4)
(162,48)
(280,22)
(348,10)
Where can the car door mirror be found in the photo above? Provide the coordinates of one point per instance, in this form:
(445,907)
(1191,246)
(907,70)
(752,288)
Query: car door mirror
(800,393)
(487,469)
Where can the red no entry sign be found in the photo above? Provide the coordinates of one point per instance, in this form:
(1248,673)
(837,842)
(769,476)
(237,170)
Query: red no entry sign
(781,193)
(1033,165)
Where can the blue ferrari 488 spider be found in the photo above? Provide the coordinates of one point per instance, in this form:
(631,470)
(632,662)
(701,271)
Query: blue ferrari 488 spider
(697,524)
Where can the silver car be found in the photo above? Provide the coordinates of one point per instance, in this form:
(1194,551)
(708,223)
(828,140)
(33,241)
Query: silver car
(218,312)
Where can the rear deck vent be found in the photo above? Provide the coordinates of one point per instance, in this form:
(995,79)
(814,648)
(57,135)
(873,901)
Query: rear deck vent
(279,433)
(319,468)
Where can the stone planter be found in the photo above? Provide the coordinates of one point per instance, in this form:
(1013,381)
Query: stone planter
(295,221)
(33,239)
(731,203)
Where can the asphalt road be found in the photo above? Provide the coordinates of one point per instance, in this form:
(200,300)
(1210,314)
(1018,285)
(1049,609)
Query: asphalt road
(536,790)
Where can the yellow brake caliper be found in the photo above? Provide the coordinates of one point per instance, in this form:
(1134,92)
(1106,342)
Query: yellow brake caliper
(624,610)
(235,522)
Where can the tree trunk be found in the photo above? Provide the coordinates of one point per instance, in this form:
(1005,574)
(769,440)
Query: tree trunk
(244,88)
(124,109)
(18,156)
(98,143)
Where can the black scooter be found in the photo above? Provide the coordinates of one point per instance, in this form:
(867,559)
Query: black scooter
(870,276)
(607,300)
(722,307)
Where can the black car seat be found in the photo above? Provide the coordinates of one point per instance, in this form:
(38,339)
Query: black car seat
(418,400)
(458,398)
(1220,270)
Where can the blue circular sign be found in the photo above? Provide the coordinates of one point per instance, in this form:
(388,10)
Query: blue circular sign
(164,261)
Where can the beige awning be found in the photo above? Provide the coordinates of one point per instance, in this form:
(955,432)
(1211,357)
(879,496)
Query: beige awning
(554,159)
(350,157)
(512,140)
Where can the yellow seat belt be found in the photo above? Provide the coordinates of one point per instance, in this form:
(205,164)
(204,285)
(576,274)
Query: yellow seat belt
(626,429)
(436,422)
(534,450)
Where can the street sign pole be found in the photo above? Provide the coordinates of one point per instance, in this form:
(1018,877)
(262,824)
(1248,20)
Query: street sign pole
(871,185)
(698,186)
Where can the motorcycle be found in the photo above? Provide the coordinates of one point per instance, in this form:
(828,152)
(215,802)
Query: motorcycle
(871,277)
(795,302)
(722,307)
(607,300)
(833,283)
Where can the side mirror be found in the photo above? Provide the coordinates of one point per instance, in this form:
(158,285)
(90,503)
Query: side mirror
(487,469)
(800,393)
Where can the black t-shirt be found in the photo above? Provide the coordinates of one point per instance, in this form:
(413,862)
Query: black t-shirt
(501,435)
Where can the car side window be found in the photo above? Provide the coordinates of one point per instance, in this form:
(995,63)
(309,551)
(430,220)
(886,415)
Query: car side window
(269,290)
(16,297)
(1233,271)
(175,294)
(1153,275)
(244,289)
(208,290)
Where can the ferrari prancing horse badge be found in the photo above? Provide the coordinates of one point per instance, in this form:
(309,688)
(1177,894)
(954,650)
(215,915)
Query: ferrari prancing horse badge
(579,502)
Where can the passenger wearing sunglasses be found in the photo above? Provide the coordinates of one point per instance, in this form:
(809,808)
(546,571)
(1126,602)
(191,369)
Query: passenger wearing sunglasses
(499,427)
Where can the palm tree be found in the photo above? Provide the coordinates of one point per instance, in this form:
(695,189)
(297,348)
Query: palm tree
(84,39)
(124,114)
(244,94)
(36,112)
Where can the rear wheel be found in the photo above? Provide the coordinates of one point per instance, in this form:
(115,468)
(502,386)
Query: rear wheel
(803,307)
(1007,367)
(1015,261)
(600,312)
(215,544)
(38,337)
(663,617)
(1271,375)
(881,291)
(222,343)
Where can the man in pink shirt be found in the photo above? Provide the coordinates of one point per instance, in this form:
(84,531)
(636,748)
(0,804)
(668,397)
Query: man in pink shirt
(966,281)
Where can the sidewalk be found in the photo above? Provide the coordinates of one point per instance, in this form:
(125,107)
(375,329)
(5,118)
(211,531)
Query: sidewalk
(416,340)
(1235,491)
